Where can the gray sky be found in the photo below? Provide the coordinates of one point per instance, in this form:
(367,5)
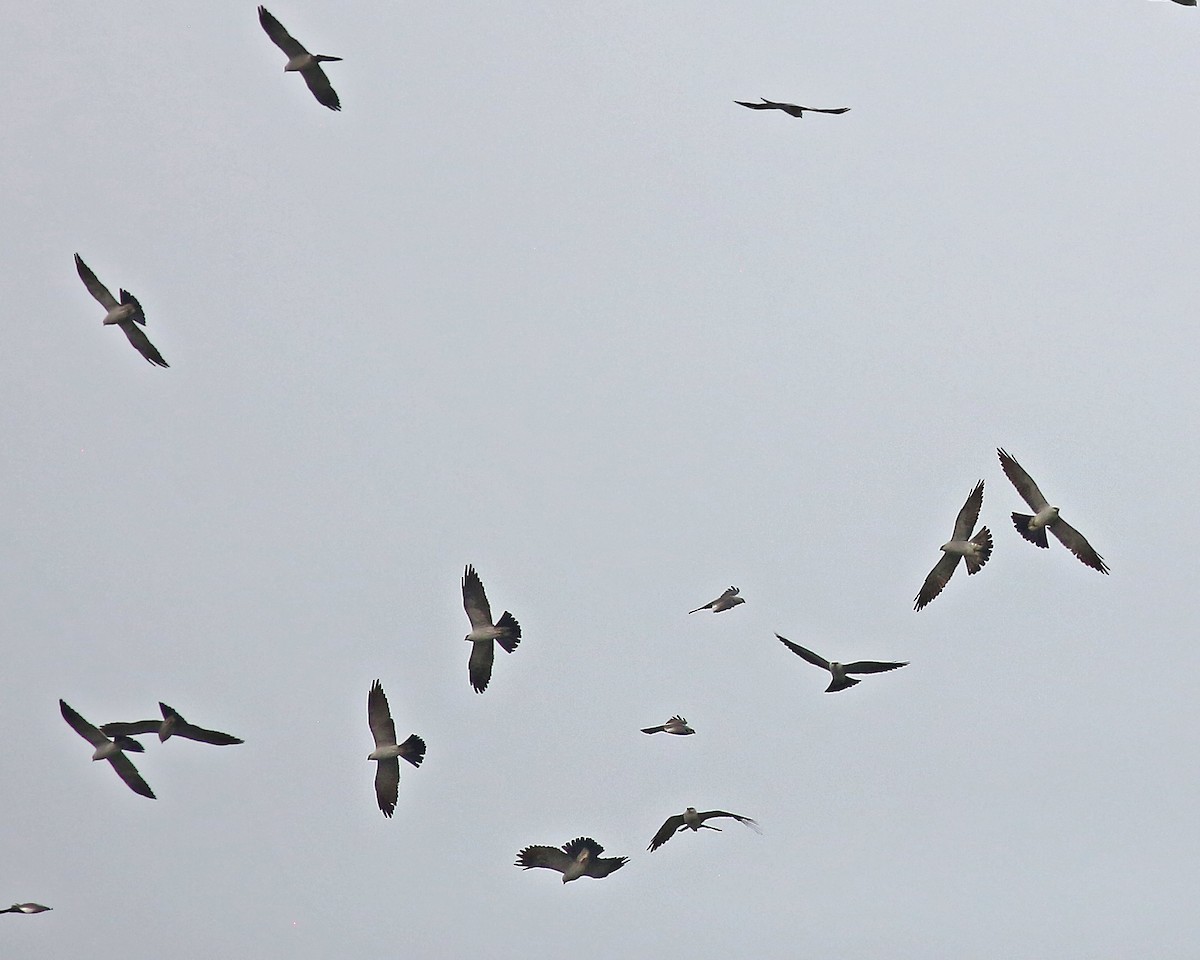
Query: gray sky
(543,299)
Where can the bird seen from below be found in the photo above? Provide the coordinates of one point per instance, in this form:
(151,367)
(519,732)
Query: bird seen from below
(725,601)
(171,725)
(26,908)
(974,550)
(692,819)
(506,631)
(579,858)
(790,108)
(111,750)
(387,751)
(839,671)
(676,725)
(127,314)
(308,65)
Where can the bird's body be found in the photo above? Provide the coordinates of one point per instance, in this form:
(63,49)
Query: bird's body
(676,725)
(579,858)
(725,601)
(485,634)
(790,108)
(1045,517)
(976,550)
(111,750)
(300,61)
(840,672)
(387,751)
(171,725)
(693,819)
(125,313)
(26,908)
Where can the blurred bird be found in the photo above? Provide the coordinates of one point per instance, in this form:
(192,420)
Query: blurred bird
(26,908)
(507,632)
(725,601)
(975,550)
(308,65)
(1033,528)
(386,752)
(171,725)
(691,819)
(839,670)
(1186,3)
(676,725)
(791,108)
(127,314)
(110,750)
(579,858)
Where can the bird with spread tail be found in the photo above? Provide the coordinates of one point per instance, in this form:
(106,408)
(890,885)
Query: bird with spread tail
(127,314)
(975,550)
(725,601)
(693,819)
(676,725)
(839,671)
(790,108)
(387,750)
(506,631)
(579,858)
(171,725)
(111,750)
(300,61)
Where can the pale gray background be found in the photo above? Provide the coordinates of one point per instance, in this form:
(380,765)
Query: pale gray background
(543,299)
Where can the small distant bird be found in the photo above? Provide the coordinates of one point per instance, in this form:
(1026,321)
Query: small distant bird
(791,108)
(387,769)
(975,550)
(676,725)
(507,632)
(1034,528)
(127,314)
(171,725)
(839,670)
(579,858)
(26,908)
(725,601)
(308,65)
(110,750)
(691,819)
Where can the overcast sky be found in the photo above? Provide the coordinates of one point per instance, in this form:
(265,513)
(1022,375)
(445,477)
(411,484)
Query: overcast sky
(543,299)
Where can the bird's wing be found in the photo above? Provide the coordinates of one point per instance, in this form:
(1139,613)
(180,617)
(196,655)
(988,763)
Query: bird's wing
(539,856)
(756,106)
(1074,541)
(387,784)
(480,664)
(190,731)
(128,772)
(964,523)
(709,814)
(653,729)
(142,343)
(603,866)
(279,36)
(94,286)
(872,666)
(1023,482)
(827,109)
(938,577)
(666,831)
(475,601)
(383,729)
(130,729)
(89,733)
(815,659)
(320,86)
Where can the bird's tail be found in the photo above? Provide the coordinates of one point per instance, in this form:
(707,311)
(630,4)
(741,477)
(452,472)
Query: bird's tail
(653,729)
(413,750)
(1038,536)
(840,683)
(698,609)
(983,540)
(510,632)
(138,316)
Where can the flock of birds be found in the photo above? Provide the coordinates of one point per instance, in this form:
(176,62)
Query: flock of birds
(582,856)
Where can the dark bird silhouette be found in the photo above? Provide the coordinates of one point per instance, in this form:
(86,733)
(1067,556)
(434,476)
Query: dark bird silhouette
(692,819)
(111,750)
(308,65)
(793,109)
(579,858)
(976,550)
(506,632)
(26,908)
(171,725)
(839,671)
(676,725)
(1033,528)
(725,601)
(127,314)
(1185,3)
(387,751)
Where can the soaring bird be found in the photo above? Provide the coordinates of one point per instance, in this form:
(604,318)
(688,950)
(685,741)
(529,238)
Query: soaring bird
(579,858)
(308,65)
(386,752)
(839,670)
(725,601)
(506,632)
(127,314)
(1045,516)
(975,550)
(26,908)
(692,819)
(791,108)
(110,750)
(171,725)
(676,725)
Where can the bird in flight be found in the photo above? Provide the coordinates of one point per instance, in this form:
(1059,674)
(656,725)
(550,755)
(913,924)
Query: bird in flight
(839,671)
(692,819)
(975,550)
(127,314)
(387,751)
(1033,528)
(111,750)
(725,601)
(1186,3)
(791,108)
(676,725)
(506,632)
(308,65)
(26,908)
(171,725)
(579,858)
